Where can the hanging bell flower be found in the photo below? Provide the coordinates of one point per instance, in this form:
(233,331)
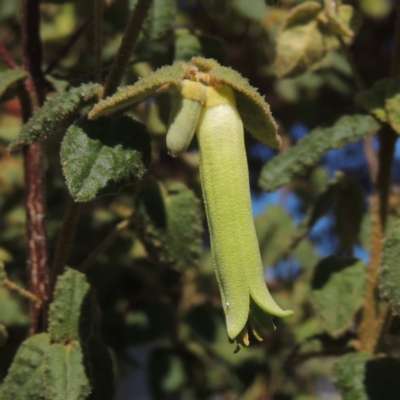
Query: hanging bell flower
(217,103)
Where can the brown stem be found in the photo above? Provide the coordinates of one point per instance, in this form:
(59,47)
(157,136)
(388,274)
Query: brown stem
(105,244)
(128,44)
(6,57)
(65,238)
(35,201)
(371,329)
(98,38)
(64,51)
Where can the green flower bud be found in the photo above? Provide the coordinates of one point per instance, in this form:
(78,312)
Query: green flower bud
(184,116)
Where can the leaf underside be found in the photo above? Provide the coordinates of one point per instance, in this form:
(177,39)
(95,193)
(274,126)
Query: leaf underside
(309,150)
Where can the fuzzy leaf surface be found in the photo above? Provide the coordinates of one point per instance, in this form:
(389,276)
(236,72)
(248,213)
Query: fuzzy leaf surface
(100,157)
(159,81)
(300,43)
(337,292)
(389,272)
(65,374)
(169,223)
(361,376)
(72,313)
(9,77)
(160,20)
(373,99)
(252,107)
(59,110)
(24,380)
(348,129)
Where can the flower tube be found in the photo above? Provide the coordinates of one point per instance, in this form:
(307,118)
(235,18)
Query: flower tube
(226,191)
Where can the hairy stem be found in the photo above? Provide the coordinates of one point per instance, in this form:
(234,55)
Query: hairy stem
(35,201)
(128,44)
(6,57)
(65,238)
(21,291)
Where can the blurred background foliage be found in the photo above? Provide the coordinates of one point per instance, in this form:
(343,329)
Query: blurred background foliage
(161,316)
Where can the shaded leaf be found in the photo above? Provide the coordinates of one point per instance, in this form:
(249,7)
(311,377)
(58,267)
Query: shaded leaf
(252,107)
(167,373)
(373,99)
(362,376)
(102,373)
(208,326)
(169,223)
(3,335)
(9,77)
(392,104)
(161,18)
(100,157)
(310,149)
(337,292)
(3,274)
(65,374)
(59,110)
(24,380)
(153,321)
(159,81)
(72,313)
(299,43)
(252,9)
(186,47)
(346,23)
(389,272)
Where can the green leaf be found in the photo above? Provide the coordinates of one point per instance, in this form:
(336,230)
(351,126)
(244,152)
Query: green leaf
(389,272)
(3,335)
(392,104)
(337,292)
(186,47)
(12,309)
(346,23)
(300,43)
(24,380)
(161,18)
(100,157)
(72,313)
(253,9)
(102,372)
(157,82)
(373,99)
(309,150)
(9,77)
(65,373)
(59,110)
(252,107)
(361,376)
(169,223)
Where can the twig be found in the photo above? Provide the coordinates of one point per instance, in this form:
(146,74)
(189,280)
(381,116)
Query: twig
(37,260)
(21,291)
(128,44)
(65,238)
(6,57)
(64,51)
(98,37)
(105,244)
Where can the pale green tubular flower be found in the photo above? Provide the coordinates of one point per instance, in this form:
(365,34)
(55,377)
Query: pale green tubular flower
(226,191)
